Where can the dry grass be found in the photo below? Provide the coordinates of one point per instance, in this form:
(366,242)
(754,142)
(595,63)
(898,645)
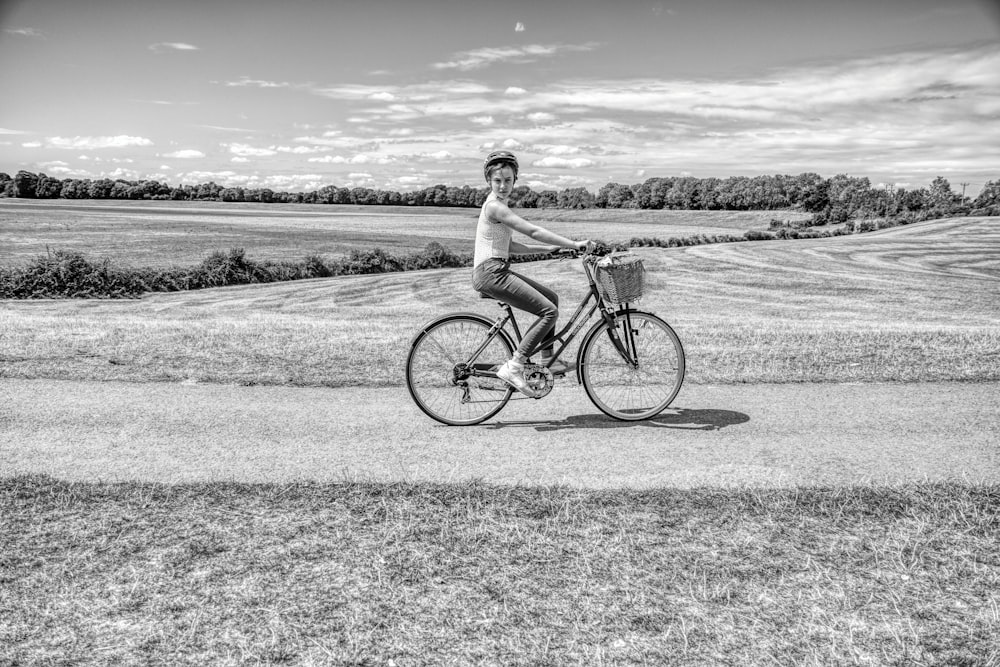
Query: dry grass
(910,304)
(362,573)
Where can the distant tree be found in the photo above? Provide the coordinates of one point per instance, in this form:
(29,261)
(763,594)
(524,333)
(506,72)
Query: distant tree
(575,198)
(100,189)
(24,185)
(75,189)
(848,192)
(207,192)
(941,196)
(642,195)
(913,200)
(364,196)
(47,187)
(613,195)
(527,198)
(548,199)
(707,197)
(813,192)
(125,190)
(989,195)
(232,194)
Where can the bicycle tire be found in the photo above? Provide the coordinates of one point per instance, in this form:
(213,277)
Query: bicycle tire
(632,393)
(433,376)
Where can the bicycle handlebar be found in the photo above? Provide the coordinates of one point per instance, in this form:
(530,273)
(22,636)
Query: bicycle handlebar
(574,253)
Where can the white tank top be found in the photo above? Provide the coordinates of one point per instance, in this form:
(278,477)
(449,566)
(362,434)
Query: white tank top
(492,238)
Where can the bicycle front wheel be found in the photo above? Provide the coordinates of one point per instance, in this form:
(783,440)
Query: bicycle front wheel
(632,391)
(442,365)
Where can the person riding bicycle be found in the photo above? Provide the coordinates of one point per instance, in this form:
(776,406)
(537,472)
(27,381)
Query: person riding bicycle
(491,274)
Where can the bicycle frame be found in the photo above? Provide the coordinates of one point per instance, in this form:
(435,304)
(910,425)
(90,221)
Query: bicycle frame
(625,348)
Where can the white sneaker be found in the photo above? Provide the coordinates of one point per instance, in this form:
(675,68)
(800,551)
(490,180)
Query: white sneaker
(514,376)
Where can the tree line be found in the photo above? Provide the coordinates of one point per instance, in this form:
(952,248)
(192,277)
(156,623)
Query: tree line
(838,199)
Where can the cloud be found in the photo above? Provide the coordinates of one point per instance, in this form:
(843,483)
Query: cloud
(519,27)
(124,174)
(164,47)
(539,182)
(331,141)
(563,163)
(554,149)
(478,58)
(515,91)
(88,143)
(25,32)
(416,180)
(245,150)
(4,130)
(246,82)
(482,120)
(227,129)
(437,155)
(361,158)
(300,150)
(541,117)
(413,93)
(186,154)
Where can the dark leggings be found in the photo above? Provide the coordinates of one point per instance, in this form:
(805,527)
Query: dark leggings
(495,279)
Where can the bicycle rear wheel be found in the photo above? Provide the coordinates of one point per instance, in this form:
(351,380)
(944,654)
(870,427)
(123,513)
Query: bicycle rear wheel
(440,365)
(632,392)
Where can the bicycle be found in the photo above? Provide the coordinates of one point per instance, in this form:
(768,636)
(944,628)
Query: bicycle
(630,362)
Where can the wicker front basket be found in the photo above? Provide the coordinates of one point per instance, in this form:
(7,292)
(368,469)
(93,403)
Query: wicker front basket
(620,277)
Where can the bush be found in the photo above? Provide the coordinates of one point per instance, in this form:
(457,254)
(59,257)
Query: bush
(68,274)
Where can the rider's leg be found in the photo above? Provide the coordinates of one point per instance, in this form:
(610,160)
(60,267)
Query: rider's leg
(547,352)
(524,294)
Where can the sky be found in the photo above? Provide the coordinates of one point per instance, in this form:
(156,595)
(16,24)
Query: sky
(406,94)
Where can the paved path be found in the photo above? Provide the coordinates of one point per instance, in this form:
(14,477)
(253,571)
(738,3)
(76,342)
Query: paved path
(764,435)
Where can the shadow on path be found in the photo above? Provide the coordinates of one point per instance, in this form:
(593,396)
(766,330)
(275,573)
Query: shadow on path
(680,418)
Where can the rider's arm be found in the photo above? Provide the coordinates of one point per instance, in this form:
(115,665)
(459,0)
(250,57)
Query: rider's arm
(502,214)
(525,249)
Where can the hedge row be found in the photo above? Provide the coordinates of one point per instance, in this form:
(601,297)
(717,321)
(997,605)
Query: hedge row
(66,274)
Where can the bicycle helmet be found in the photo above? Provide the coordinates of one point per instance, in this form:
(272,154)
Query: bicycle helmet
(505,158)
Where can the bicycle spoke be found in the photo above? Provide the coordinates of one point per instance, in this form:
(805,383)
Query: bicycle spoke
(440,370)
(622,390)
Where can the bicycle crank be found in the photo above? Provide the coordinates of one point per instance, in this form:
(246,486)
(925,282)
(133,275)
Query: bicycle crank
(539,378)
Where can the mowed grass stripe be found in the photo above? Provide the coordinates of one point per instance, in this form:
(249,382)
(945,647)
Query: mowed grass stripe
(869,308)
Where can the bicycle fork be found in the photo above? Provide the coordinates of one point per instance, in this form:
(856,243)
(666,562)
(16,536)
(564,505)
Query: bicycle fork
(625,345)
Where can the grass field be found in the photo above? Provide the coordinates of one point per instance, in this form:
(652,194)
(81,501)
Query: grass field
(162,234)
(914,303)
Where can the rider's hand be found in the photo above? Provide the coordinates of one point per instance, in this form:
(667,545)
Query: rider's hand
(585,246)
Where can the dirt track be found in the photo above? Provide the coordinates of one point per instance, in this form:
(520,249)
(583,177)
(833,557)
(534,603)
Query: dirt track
(762,435)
